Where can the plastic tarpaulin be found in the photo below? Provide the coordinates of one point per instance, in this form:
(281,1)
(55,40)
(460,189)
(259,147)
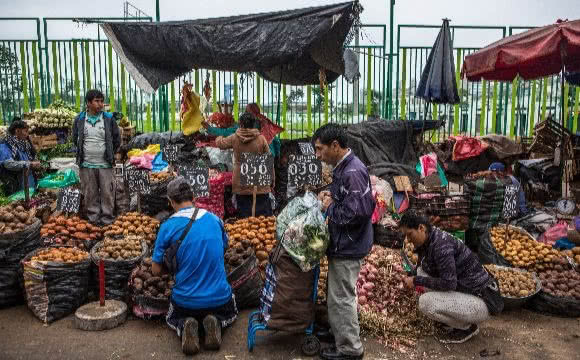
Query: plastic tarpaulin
(290,46)
(467,147)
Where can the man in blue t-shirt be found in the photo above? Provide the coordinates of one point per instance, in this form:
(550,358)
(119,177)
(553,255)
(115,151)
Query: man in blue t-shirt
(201,294)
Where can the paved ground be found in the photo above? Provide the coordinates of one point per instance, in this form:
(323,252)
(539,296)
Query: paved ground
(517,335)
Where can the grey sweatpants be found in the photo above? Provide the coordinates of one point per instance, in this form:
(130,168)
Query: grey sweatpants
(98,188)
(342,304)
(455,309)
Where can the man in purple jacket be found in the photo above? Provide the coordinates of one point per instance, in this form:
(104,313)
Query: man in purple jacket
(349,206)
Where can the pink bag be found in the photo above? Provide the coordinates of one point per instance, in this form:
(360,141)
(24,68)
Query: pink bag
(555,233)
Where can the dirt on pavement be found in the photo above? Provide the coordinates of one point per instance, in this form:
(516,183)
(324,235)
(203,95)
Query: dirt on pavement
(517,335)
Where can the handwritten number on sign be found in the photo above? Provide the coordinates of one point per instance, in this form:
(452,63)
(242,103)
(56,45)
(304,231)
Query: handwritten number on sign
(510,201)
(197,177)
(69,201)
(304,170)
(138,181)
(256,170)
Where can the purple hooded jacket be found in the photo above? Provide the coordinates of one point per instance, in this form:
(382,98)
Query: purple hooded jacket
(351,230)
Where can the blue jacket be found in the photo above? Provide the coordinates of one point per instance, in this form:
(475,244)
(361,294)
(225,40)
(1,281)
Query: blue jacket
(350,226)
(11,169)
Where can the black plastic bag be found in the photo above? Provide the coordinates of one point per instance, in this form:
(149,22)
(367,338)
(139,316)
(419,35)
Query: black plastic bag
(487,253)
(54,289)
(156,201)
(13,248)
(246,283)
(388,237)
(117,272)
(559,306)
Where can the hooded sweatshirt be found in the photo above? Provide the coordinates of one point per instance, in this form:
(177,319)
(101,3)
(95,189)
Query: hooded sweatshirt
(244,140)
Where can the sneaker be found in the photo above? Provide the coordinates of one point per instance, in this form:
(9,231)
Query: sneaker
(458,336)
(190,337)
(213,333)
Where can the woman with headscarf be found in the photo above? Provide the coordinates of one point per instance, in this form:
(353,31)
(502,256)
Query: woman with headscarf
(17,155)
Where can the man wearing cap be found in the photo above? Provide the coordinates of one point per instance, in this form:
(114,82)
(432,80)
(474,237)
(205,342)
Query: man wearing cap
(201,299)
(521,203)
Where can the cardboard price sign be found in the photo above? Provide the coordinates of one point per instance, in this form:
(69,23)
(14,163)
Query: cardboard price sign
(138,181)
(197,177)
(256,170)
(69,200)
(306,148)
(171,153)
(304,170)
(510,201)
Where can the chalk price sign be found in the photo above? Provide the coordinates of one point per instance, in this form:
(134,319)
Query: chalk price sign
(197,177)
(510,201)
(138,181)
(306,148)
(171,153)
(256,170)
(304,170)
(69,200)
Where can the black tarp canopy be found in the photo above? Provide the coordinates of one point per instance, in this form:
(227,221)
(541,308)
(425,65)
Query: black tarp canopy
(289,47)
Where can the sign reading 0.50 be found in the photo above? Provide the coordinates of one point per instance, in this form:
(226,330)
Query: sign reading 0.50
(256,170)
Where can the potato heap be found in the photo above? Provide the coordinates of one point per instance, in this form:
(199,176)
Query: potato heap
(160,176)
(574,254)
(523,251)
(259,231)
(237,254)
(121,249)
(410,252)
(513,283)
(71,231)
(322,281)
(145,283)
(134,223)
(561,283)
(63,254)
(14,218)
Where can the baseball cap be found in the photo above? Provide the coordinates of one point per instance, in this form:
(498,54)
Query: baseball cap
(177,186)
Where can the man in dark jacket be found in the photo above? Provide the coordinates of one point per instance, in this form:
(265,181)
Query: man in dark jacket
(97,139)
(349,206)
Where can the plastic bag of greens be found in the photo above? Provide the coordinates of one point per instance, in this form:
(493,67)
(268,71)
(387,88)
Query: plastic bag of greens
(306,236)
(18,196)
(60,179)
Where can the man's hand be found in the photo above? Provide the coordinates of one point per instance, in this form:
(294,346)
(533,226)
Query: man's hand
(326,203)
(408,281)
(156,268)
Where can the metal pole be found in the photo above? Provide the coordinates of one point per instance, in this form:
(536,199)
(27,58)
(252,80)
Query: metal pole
(390,74)
(157,12)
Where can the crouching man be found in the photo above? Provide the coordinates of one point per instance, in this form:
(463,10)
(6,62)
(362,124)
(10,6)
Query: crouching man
(202,301)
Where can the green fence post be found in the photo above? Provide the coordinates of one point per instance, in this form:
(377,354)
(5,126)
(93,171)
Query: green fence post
(236,104)
(1,115)
(123,91)
(404,87)
(369,83)
(435,116)
(576,100)
(172,106)
(458,80)
(566,92)
(494,109)
(532,109)
(197,89)
(88,66)
(214,107)
(36,77)
(483,118)
(110,64)
(148,118)
(326,104)
(24,66)
(284,104)
(258,92)
(544,97)
(514,102)
(309,109)
(76,79)
(55,71)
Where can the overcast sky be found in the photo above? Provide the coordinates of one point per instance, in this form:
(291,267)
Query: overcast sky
(461,12)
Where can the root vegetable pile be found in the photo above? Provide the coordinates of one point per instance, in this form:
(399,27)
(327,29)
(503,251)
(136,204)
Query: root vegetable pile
(410,252)
(574,254)
(322,281)
(259,231)
(561,283)
(63,255)
(160,177)
(71,231)
(145,283)
(14,218)
(134,223)
(513,283)
(387,309)
(238,252)
(121,249)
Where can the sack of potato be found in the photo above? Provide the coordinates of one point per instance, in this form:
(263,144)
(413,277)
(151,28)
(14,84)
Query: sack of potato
(56,281)
(71,231)
(134,223)
(560,293)
(120,256)
(573,254)
(150,293)
(259,231)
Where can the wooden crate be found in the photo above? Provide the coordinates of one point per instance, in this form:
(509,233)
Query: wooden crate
(44,142)
(127,133)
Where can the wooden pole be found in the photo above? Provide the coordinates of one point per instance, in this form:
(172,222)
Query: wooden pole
(25,183)
(254,201)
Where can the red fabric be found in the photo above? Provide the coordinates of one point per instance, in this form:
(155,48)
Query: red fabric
(467,147)
(269,129)
(532,54)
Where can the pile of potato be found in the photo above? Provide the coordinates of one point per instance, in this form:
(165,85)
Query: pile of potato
(134,223)
(513,283)
(322,281)
(63,254)
(237,254)
(561,283)
(574,254)
(259,231)
(410,252)
(160,177)
(523,251)
(125,248)
(14,218)
(145,283)
(71,231)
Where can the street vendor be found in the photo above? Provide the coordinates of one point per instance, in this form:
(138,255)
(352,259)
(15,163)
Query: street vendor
(460,293)
(349,207)
(16,156)
(521,202)
(266,127)
(97,138)
(247,139)
(201,298)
